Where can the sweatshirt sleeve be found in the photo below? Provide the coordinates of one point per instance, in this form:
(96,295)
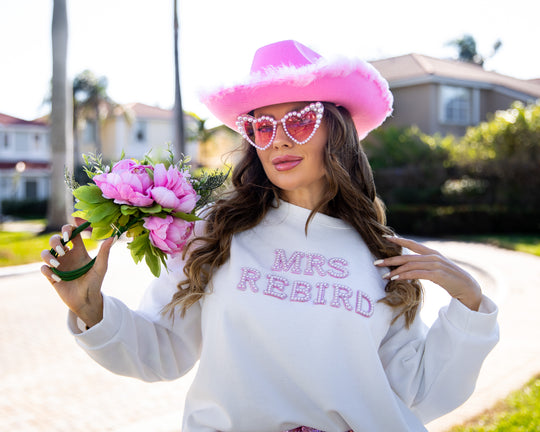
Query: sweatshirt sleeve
(435,370)
(145,344)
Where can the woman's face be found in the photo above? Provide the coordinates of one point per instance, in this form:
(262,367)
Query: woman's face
(298,170)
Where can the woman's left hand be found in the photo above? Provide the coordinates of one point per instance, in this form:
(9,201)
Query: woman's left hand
(430,265)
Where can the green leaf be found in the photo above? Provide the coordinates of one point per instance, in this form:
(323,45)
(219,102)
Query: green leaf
(80,214)
(103,211)
(99,233)
(156,208)
(128,210)
(123,220)
(138,246)
(153,263)
(189,217)
(89,193)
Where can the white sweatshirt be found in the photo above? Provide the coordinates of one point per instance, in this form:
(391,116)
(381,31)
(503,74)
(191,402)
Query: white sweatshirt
(292,334)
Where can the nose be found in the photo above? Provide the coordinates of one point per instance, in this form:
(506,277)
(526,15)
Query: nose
(281,139)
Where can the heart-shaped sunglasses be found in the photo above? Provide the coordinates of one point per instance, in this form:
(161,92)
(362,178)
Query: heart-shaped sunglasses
(300,126)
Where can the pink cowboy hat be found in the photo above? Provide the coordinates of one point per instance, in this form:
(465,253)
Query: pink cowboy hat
(288,71)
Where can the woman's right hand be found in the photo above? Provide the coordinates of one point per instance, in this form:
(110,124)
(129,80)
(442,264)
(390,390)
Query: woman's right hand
(82,295)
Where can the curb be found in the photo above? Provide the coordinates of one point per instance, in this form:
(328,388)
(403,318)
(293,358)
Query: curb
(20,269)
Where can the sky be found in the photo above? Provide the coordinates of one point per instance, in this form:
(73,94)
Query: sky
(130,42)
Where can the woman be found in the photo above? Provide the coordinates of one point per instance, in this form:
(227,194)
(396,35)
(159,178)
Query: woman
(294,297)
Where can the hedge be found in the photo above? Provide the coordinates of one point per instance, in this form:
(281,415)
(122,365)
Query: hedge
(457,220)
(25,209)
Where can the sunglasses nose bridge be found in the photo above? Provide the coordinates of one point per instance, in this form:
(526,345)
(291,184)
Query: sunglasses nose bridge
(281,135)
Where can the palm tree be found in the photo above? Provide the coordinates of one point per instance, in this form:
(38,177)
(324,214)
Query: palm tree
(90,101)
(60,200)
(179,136)
(467,51)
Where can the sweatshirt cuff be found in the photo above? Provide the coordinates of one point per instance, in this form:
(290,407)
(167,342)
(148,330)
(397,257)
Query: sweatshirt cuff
(103,331)
(483,321)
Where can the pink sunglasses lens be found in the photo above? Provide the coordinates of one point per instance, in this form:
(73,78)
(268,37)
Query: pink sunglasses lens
(260,131)
(301,127)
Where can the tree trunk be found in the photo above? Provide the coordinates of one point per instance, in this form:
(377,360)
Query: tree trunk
(179,140)
(60,200)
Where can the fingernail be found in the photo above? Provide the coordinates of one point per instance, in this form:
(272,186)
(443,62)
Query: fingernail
(379,261)
(65,235)
(386,275)
(60,250)
(54,263)
(387,236)
(394,277)
(55,278)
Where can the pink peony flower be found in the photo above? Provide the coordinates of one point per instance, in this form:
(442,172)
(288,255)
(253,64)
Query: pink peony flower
(168,234)
(127,183)
(173,190)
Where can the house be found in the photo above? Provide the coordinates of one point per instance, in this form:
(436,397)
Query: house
(133,128)
(137,128)
(447,96)
(24,159)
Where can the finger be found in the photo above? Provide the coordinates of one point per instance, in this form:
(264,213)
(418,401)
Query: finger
(400,260)
(412,245)
(428,266)
(66,232)
(56,244)
(49,259)
(102,257)
(48,273)
(423,274)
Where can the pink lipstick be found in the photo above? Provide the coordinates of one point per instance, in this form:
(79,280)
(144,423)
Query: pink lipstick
(285,163)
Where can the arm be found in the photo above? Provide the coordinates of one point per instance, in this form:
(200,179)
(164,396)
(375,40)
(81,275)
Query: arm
(142,344)
(145,344)
(434,371)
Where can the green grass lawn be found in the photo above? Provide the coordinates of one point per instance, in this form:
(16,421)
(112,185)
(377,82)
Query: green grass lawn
(18,248)
(519,412)
(522,243)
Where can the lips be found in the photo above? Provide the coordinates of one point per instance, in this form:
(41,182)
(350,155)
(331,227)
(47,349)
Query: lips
(285,163)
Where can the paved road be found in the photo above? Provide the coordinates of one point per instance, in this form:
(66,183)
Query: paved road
(49,385)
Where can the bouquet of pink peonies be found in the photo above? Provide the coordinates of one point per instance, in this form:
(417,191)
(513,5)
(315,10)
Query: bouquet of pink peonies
(155,204)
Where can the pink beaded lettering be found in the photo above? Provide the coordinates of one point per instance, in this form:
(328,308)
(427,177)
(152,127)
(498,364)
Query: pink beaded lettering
(343,293)
(338,268)
(301,291)
(276,286)
(321,291)
(248,278)
(315,261)
(282,264)
(364,304)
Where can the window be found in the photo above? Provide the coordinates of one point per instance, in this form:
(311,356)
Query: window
(30,189)
(455,105)
(37,142)
(4,141)
(140,132)
(22,142)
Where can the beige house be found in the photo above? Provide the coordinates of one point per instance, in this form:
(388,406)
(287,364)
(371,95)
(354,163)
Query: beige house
(447,96)
(137,128)
(133,128)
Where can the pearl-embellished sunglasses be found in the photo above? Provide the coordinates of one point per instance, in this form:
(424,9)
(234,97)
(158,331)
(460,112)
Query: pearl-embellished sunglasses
(299,126)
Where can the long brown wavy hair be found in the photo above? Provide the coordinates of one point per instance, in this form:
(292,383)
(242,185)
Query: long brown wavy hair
(350,195)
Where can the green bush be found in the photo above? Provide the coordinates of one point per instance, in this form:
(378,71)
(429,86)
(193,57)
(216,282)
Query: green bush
(426,220)
(409,166)
(25,209)
(504,154)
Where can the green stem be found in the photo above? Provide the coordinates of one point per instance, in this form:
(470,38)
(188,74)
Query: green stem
(71,275)
(77,273)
